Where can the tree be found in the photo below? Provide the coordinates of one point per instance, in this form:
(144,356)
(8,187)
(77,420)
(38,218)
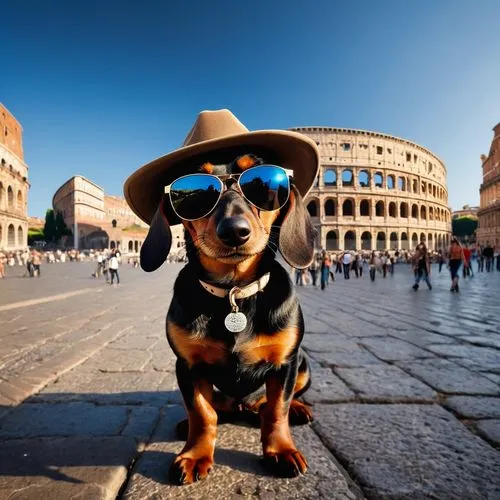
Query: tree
(61,228)
(49,230)
(463,226)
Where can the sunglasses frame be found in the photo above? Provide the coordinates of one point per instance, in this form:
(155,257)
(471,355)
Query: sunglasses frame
(221,179)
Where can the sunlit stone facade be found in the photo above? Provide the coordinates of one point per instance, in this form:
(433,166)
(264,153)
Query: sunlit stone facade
(377,192)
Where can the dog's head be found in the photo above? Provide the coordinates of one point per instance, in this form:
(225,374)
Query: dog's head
(236,235)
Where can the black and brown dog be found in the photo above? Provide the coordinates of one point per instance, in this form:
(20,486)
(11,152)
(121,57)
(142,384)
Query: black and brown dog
(262,368)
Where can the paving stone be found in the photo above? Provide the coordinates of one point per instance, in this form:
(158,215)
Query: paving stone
(77,419)
(135,339)
(117,360)
(445,376)
(385,383)
(238,472)
(149,388)
(341,353)
(391,349)
(474,406)
(423,338)
(490,429)
(60,468)
(409,451)
(476,358)
(141,423)
(492,341)
(327,387)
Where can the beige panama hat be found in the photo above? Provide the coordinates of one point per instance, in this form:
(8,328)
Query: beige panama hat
(218,137)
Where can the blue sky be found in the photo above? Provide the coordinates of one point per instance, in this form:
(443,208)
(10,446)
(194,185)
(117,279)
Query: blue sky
(102,87)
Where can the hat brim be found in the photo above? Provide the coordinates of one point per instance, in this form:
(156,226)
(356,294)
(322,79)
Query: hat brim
(144,189)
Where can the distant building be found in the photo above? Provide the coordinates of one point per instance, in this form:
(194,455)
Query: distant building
(467,211)
(14,184)
(489,210)
(98,220)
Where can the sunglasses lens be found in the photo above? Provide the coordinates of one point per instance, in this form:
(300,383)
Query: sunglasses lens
(266,186)
(195,196)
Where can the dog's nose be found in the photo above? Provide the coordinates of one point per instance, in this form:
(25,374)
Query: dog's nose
(234,231)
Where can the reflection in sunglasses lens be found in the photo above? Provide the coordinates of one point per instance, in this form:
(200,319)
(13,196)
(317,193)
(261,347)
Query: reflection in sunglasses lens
(194,196)
(267,187)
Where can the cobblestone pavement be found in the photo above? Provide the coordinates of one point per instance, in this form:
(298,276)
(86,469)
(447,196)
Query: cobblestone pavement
(406,392)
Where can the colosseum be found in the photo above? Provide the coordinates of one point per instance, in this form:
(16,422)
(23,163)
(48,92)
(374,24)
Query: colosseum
(377,192)
(14,184)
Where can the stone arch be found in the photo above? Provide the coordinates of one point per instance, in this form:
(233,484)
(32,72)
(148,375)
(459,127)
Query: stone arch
(404,241)
(2,195)
(423,187)
(434,191)
(391,182)
(350,240)
(415,186)
(423,212)
(136,246)
(431,213)
(381,245)
(430,241)
(393,238)
(348,207)
(11,235)
(312,207)
(364,178)
(347,177)
(332,240)
(112,244)
(414,240)
(19,200)
(378,179)
(364,208)
(403,210)
(130,246)
(401,183)
(1,236)
(392,209)
(414,211)
(440,241)
(366,240)
(423,239)
(329,207)
(330,177)
(20,236)
(10,197)
(379,209)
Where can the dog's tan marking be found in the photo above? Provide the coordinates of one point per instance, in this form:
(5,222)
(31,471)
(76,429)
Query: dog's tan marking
(195,350)
(207,167)
(245,162)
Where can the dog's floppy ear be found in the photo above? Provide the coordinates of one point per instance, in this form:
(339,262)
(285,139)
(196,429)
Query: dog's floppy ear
(297,234)
(157,244)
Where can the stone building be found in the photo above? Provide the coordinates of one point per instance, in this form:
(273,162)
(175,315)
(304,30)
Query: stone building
(489,206)
(376,191)
(466,211)
(14,184)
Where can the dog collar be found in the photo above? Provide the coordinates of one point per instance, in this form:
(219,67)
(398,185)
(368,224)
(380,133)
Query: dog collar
(238,292)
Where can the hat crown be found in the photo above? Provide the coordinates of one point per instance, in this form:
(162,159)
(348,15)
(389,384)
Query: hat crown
(214,125)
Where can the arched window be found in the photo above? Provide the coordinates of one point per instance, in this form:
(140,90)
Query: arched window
(19,201)
(422,237)
(379,179)
(404,241)
(393,241)
(312,208)
(381,240)
(423,188)
(364,178)
(366,241)
(401,183)
(130,246)
(423,213)
(20,236)
(112,244)
(332,241)
(403,210)
(348,208)
(430,239)
(136,246)
(2,195)
(379,209)
(364,208)
(330,178)
(10,198)
(392,209)
(414,240)
(347,178)
(431,213)
(391,182)
(415,186)
(329,208)
(11,236)
(350,240)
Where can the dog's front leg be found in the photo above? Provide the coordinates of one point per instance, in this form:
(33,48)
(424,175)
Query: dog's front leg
(197,457)
(280,452)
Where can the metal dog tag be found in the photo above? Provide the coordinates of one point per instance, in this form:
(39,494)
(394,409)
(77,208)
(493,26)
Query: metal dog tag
(235,322)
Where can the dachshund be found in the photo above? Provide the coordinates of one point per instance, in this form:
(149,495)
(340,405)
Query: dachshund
(235,323)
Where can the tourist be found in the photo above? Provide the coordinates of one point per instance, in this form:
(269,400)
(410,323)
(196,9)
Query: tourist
(2,267)
(488,257)
(441,259)
(313,269)
(480,259)
(346,262)
(36,259)
(384,259)
(299,280)
(359,264)
(113,268)
(325,269)
(422,266)
(372,265)
(455,256)
(338,268)
(467,268)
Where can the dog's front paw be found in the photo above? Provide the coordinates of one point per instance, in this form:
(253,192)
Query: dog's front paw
(288,463)
(186,470)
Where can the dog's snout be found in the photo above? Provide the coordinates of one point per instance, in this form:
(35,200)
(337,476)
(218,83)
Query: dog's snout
(234,231)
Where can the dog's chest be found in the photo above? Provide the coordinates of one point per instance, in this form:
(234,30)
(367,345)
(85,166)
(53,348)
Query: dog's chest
(273,348)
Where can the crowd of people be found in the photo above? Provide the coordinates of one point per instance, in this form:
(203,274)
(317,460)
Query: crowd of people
(326,265)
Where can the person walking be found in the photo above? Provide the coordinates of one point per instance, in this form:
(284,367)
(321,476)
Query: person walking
(325,269)
(422,266)
(383,259)
(480,259)
(440,259)
(346,261)
(359,264)
(372,265)
(338,267)
(298,277)
(456,256)
(113,268)
(488,257)
(467,267)
(313,269)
